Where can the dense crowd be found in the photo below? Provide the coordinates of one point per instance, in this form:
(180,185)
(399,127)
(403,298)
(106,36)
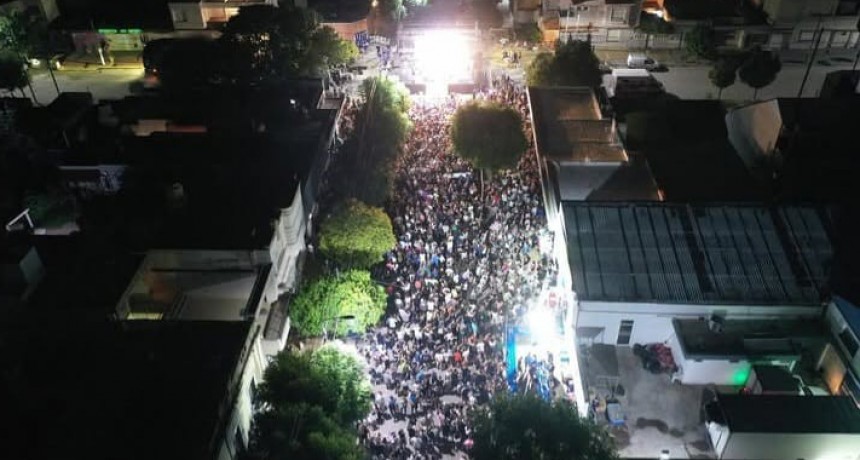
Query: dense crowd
(467,264)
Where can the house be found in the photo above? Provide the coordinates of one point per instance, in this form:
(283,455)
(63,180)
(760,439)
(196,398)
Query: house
(580,154)
(128,389)
(199,14)
(806,24)
(804,147)
(606,23)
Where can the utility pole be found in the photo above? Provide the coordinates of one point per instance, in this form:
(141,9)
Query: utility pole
(820,33)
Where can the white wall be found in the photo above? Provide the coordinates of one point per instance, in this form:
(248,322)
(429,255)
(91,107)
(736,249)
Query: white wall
(784,446)
(187,16)
(754,130)
(647,328)
(837,325)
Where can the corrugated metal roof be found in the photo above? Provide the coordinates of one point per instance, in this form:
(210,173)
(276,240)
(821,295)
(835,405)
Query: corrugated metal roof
(709,254)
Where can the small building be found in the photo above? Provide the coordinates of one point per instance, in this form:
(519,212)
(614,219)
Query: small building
(804,147)
(130,389)
(605,23)
(781,427)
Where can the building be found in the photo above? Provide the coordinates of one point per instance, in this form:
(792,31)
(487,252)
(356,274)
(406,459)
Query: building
(135,390)
(777,427)
(804,147)
(199,14)
(843,319)
(812,24)
(606,23)
(580,154)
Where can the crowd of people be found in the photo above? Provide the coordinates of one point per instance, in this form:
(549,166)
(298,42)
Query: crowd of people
(468,263)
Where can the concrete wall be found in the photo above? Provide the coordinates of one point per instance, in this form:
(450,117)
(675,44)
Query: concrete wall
(795,10)
(791,446)
(754,130)
(653,322)
(241,414)
(187,16)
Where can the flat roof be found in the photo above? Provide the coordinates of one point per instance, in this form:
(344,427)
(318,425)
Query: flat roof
(568,126)
(136,389)
(789,414)
(746,338)
(698,254)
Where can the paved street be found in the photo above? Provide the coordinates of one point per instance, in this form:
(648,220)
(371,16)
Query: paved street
(693,83)
(105,84)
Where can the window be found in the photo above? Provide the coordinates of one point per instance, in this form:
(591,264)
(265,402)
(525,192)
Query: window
(806,36)
(581,8)
(625,332)
(613,35)
(618,15)
(850,343)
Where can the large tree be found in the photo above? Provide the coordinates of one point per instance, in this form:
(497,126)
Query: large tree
(321,302)
(372,148)
(573,64)
(651,24)
(13,73)
(309,403)
(723,74)
(759,69)
(527,427)
(263,42)
(356,235)
(701,42)
(489,135)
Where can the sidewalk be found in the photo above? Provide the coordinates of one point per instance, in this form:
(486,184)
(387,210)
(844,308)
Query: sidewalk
(115,60)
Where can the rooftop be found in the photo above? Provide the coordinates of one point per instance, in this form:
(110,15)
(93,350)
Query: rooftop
(625,182)
(208,192)
(136,390)
(745,338)
(698,254)
(341,10)
(570,128)
(789,414)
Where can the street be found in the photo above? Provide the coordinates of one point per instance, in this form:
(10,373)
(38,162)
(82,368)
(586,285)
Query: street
(104,84)
(693,83)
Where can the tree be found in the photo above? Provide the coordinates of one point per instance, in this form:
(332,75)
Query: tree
(13,72)
(381,128)
(528,33)
(309,404)
(525,426)
(651,24)
(759,69)
(321,301)
(13,32)
(356,235)
(722,75)
(573,64)
(700,41)
(488,135)
(187,64)
(263,42)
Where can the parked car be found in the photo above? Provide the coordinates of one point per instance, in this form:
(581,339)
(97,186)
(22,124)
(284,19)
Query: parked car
(641,61)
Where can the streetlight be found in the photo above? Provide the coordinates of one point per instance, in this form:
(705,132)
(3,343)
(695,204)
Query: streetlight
(336,320)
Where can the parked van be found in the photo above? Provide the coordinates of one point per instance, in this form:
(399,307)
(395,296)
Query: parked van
(641,61)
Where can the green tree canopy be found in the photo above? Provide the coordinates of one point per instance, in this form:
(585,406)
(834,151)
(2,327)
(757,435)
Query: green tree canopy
(573,64)
(723,74)
(701,42)
(319,302)
(187,64)
(527,427)
(356,235)
(381,128)
(759,69)
(488,135)
(24,32)
(263,41)
(310,402)
(13,74)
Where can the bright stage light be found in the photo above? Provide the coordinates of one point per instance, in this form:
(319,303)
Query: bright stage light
(542,325)
(443,56)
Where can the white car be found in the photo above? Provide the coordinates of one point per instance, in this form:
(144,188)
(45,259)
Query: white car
(641,61)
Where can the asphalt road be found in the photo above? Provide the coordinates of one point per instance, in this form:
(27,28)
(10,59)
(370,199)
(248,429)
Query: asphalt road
(693,83)
(105,84)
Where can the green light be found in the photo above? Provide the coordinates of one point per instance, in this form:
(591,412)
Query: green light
(740,376)
(107,31)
